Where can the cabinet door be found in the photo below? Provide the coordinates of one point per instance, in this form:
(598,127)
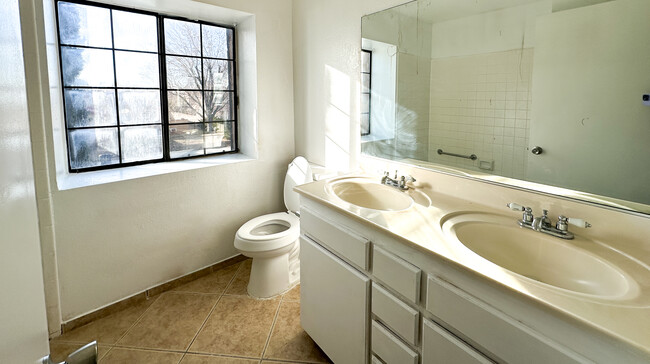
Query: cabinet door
(334,307)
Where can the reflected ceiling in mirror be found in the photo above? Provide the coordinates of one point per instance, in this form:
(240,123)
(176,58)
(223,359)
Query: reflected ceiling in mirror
(545,95)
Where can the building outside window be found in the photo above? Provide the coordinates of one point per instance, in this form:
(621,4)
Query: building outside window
(140,87)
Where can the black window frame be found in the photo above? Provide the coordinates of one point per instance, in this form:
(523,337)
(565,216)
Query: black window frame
(163,89)
(369,93)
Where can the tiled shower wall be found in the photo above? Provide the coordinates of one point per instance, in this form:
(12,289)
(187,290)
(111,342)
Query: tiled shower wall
(480,104)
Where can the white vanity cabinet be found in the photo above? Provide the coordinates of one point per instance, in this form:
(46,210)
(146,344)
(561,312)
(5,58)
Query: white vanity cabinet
(367,297)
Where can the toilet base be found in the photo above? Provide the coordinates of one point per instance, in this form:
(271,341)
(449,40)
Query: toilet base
(271,276)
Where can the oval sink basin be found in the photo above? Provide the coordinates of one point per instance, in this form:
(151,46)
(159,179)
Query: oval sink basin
(366,193)
(537,256)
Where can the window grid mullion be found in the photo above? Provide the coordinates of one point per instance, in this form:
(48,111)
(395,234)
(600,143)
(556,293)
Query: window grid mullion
(235,100)
(164,103)
(196,90)
(109,88)
(106,48)
(112,126)
(117,102)
(202,83)
(199,122)
(205,57)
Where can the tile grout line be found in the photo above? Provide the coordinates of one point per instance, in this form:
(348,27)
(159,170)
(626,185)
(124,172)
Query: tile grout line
(275,319)
(230,356)
(241,266)
(142,348)
(212,309)
(202,325)
(135,322)
(105,354)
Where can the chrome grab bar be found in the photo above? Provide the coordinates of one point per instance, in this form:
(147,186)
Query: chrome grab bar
(471,156)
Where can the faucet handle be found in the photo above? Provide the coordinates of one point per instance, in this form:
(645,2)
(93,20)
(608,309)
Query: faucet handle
(527,216)
(563,223)
(516,207)
(578,222)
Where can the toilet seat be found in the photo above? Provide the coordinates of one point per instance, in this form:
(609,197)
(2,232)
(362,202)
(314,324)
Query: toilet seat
(249,240)
(272,240)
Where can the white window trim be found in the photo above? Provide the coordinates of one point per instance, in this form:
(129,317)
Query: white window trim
(383,95)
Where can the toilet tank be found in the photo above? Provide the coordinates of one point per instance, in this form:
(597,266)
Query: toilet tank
(299,172)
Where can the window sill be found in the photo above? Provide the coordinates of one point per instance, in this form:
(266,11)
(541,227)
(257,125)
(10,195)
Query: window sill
(374,138)
(70,181)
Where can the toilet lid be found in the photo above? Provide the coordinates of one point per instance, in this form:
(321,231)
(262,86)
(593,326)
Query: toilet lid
(298,173)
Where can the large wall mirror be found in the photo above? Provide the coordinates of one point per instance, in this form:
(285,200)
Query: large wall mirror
(544,94)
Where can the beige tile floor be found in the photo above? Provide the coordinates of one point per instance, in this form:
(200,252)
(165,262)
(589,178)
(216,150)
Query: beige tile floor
(211,320)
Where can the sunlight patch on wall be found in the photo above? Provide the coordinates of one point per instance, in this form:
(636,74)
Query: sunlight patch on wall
(337,119)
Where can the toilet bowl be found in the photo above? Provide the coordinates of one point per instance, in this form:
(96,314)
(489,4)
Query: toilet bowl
(272,240)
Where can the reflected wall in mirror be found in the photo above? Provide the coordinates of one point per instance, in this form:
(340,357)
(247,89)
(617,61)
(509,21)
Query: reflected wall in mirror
(546,94)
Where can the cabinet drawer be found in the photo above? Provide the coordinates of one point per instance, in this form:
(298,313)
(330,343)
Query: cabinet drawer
(397,315)
(396,273)
(348,244)
(500,334)
(389,348)
(441,347)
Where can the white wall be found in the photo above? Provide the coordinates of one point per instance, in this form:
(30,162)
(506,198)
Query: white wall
(494,31)
(23,328)
(326,57)
(114,240)
(587,89)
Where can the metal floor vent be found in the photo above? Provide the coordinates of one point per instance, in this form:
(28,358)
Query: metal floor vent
(85,355)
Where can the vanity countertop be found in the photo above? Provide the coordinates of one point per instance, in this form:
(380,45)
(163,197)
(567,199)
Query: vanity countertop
(626,319)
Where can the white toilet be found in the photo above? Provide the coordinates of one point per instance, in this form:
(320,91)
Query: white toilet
(272,240)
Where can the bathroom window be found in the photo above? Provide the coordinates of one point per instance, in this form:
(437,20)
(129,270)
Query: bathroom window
(366,69)
(140,87)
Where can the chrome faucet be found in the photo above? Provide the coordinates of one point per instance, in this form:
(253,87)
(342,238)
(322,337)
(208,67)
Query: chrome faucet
(543,223)
(398,182)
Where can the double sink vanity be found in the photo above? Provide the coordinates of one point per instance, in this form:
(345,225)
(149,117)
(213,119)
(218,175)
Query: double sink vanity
(440,270)
(492,106)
